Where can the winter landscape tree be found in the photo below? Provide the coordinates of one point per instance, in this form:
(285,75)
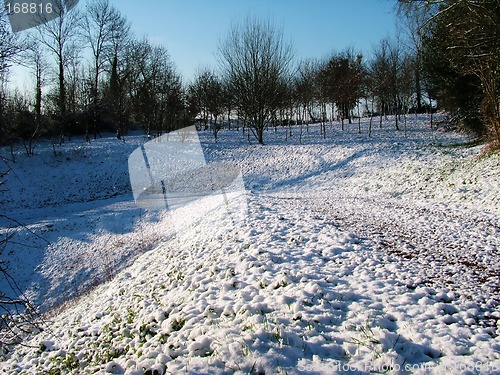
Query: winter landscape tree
(306,88)
(155,87)
(115,91)
(10,48)
(61,37)
(343,78)
(464,34)
(333,200)
(99,25)
(256,61)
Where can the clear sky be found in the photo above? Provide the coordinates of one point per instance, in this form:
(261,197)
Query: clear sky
(192,29)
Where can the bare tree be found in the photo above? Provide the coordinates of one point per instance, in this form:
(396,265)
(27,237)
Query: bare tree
(395,84)
(155,87)
(10,44)
(100,25)
(210,95)
(116,96)
(306,89)
(256,61)
(322,83)
(60,37)
(200,92)
(10,48)
(406,80)
(39,67)
(216,103)
(26,125)
(380,77)
(386,78)
(19,318)
(414,18)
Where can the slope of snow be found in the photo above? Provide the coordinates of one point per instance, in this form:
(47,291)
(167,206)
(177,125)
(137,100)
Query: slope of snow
(73,218)
(357,255)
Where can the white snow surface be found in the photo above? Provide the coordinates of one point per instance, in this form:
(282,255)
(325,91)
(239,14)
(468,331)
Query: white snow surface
(358,255)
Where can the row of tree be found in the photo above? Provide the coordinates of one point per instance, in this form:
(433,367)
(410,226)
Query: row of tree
(259,81)
(90,74)
(447,54)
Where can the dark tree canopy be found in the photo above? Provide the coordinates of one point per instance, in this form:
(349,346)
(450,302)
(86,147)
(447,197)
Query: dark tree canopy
(342,74)
(462,44)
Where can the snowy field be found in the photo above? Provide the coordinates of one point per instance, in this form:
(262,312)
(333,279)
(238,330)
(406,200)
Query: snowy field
(357,255)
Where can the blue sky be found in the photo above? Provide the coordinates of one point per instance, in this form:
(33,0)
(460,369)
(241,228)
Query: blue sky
(192,29)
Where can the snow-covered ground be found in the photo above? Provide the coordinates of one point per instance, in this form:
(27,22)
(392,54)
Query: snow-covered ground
(357,255)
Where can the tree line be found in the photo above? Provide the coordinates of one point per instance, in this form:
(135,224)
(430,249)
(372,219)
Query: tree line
(259,83)
(122,81)
(457,49)
(446,56)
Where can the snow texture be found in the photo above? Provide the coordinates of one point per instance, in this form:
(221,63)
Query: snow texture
(357,255)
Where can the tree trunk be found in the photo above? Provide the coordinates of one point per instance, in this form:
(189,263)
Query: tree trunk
(418,88)
(95,109)
(359,120)
(382,113)
(62,88)
(2,125)
(215,129)
(396,116)
(38,98)
(404,117)
(260,135)
(371,121)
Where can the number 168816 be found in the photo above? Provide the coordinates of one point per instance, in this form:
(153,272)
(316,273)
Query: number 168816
(28,8)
